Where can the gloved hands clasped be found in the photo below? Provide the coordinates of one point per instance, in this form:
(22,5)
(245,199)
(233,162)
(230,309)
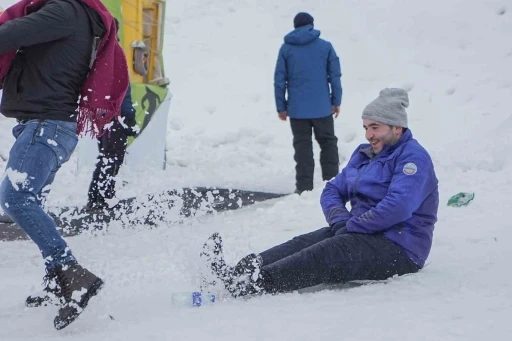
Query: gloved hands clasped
(339,228)
(337,219)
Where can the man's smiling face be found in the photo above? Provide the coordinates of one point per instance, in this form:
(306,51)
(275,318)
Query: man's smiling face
(380,134)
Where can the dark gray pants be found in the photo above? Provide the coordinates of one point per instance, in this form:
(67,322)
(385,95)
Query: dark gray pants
(302,130)
(320,257)
(112,149)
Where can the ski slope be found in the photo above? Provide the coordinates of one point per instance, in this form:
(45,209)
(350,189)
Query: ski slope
(454,58)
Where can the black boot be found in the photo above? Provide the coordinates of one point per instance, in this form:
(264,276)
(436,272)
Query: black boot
(49,295)
(212,254)
(77,286)
(248,278)
(243,279)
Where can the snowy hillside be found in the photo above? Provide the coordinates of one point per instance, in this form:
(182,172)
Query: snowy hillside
(454,58)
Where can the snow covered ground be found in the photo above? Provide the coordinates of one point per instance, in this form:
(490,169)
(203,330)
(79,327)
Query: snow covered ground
(453,56)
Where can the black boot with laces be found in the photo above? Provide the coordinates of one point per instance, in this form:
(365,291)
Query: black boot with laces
(50,293)
(78,286)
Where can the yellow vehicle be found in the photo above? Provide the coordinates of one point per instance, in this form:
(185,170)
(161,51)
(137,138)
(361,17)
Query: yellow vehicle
(141,37)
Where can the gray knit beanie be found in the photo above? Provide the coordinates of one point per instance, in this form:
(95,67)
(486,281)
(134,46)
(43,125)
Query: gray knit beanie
(389,107)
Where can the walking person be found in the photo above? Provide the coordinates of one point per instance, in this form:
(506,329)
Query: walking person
(63,74)
(307,88)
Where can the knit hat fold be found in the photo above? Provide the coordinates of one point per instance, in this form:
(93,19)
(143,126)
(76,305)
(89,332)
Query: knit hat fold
(389,107)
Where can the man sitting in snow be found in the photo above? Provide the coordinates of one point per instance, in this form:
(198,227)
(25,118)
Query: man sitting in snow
(393,193)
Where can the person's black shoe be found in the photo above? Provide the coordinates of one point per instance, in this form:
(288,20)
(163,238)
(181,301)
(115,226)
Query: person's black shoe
(78,286)
(50,294)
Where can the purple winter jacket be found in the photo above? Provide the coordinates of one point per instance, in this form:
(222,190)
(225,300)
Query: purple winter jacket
(394,192)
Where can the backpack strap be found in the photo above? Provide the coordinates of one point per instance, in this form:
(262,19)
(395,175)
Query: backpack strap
(97,32)
(95,44)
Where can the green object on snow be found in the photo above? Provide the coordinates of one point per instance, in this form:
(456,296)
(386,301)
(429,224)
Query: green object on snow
(461,199)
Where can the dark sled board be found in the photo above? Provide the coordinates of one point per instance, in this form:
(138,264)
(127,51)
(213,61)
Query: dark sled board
(150,209)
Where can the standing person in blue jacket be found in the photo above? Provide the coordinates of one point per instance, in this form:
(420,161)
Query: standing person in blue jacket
(112,149)
(306,66)
(393,193)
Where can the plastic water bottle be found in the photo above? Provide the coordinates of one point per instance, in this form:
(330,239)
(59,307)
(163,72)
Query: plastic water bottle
(192,299)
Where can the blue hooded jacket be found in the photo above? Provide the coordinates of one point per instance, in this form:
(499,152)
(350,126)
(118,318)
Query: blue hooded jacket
(306,65)
(395,192)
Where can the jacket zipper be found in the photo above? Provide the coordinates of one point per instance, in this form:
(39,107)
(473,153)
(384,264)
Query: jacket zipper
(19,85)
(357,179)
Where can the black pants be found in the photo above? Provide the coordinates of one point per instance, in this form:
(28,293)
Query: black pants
(320,257)
(303,145)
(112,148)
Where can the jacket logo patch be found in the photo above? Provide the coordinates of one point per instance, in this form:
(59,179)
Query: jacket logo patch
(410,168)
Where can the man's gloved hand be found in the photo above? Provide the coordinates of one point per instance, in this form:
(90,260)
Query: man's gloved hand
(339,228)
(131,129)
(338,213)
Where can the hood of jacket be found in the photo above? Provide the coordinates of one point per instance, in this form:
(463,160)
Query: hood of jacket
(302,35)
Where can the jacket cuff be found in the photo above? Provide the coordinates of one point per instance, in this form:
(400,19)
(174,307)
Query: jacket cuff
(337,214)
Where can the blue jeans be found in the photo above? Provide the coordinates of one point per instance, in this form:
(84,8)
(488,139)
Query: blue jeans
(40,149)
